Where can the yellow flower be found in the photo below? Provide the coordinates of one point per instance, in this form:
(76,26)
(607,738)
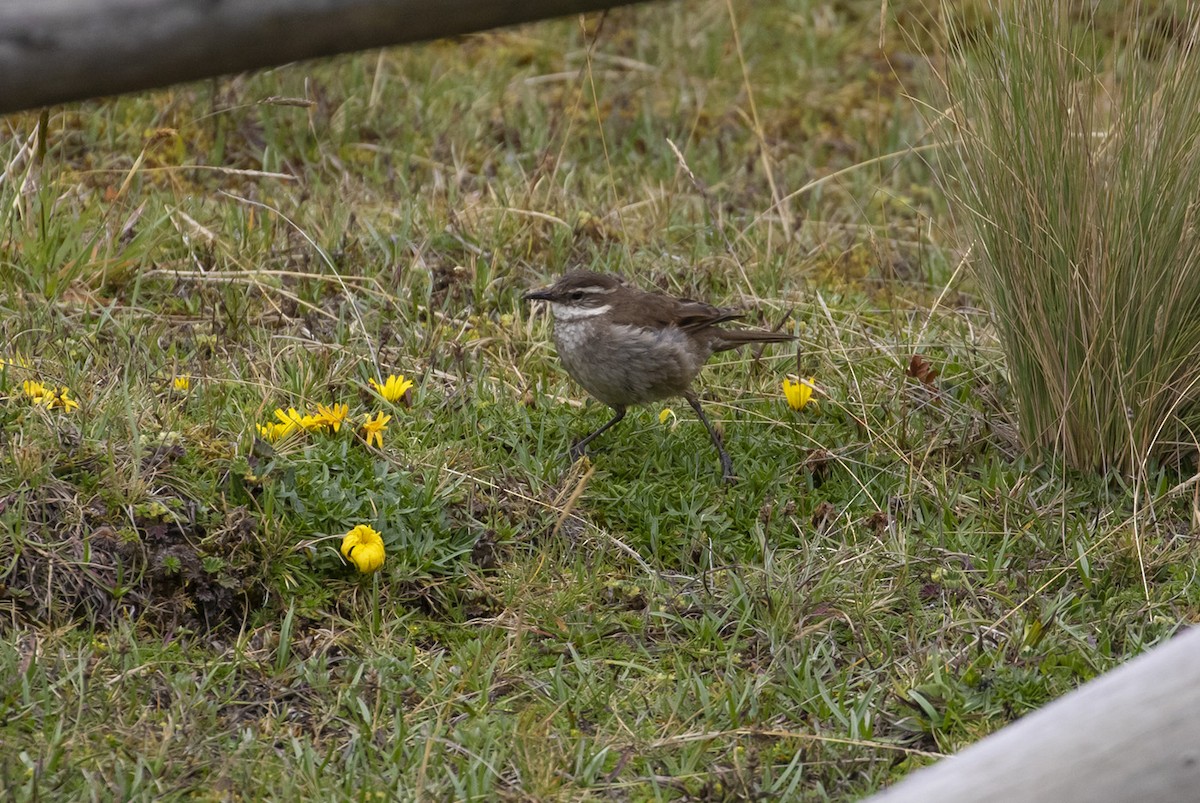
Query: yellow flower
(363,546)
(62,399)
(37,392)
(332,416)
(292,420)
(51,398)
(394,388)
(182,384)
(372,430)
(799,393)
(312,423)
(666,415)
(272,431)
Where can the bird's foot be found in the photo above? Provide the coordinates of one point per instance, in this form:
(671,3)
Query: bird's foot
(576,452)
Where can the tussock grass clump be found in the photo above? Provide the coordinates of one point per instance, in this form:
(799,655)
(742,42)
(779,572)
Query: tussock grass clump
(1077,161)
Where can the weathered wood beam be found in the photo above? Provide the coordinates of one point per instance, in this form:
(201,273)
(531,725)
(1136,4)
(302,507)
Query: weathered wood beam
(1132,734)
(53,51)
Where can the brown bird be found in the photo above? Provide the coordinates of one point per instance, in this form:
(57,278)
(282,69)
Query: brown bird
(627,346)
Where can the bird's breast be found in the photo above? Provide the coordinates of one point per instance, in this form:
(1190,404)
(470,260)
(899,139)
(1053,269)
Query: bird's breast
(623,364)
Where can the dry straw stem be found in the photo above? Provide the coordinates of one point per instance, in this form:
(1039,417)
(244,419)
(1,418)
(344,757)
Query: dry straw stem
(1076,160)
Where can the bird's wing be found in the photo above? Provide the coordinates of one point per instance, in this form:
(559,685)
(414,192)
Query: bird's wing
(692,315)
(661,311)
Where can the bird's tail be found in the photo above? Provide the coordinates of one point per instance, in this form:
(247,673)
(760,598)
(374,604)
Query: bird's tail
(732,338)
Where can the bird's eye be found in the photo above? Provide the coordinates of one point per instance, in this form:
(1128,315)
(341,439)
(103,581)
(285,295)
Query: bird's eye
(577,295)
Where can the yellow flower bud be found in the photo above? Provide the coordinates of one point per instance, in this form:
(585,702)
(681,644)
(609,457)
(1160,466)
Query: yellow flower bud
(799,393)
(363,546)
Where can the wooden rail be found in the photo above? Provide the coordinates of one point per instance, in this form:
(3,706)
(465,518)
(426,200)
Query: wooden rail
(53,51)
(1130,735)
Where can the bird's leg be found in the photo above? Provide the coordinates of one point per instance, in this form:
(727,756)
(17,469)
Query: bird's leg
(577,448)
(726,462)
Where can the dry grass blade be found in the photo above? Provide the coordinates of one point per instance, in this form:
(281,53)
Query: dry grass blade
(1079,170)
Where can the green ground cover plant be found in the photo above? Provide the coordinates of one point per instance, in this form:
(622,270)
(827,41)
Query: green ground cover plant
(894,576)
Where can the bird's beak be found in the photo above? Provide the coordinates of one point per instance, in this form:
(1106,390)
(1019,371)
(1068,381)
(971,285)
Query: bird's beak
(538,295)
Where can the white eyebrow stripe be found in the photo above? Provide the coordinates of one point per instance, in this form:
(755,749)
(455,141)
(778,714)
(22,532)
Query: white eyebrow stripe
(565,312)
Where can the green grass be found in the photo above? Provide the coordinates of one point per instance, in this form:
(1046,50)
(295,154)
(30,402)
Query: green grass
(890,580)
